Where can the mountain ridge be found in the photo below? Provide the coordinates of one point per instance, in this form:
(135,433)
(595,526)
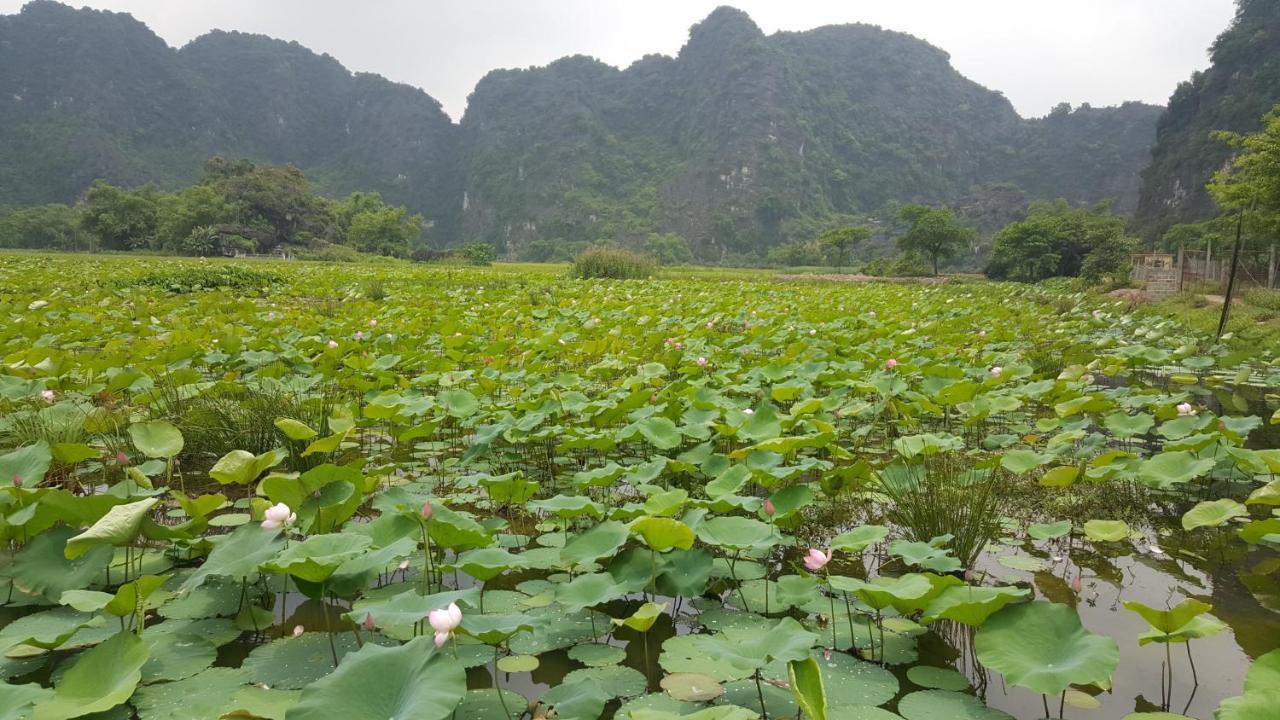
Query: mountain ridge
(739,142)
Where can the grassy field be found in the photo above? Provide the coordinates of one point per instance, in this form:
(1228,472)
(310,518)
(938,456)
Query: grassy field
(310,491)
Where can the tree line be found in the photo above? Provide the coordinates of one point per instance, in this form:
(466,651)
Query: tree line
(238,207)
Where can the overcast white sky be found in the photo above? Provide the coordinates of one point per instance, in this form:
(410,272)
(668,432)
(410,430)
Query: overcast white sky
(1037,52)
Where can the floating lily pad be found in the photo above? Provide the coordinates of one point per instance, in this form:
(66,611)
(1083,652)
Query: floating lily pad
(692,687)
(947,705)
(597,655)
(927,676)
(518,663)
(616,681)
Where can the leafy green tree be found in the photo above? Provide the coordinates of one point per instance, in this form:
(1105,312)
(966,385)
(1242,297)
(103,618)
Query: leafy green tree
(1057,240)
(121,218)
(1252,180)
(183,212)
(44,227)
(371,226)
(668,249)
(276,198)
(796,253)
(933,232)
(479,253)
(839,241)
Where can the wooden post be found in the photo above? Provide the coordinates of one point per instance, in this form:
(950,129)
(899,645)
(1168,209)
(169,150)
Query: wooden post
(1181,259)
(1231,279)
(1208,261)
(1271,268)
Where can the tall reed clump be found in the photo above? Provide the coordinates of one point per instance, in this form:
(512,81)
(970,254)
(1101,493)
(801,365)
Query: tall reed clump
(613,263)
(946,494)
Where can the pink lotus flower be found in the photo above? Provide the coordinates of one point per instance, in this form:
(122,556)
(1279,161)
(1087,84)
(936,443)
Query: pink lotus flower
(121,458)
(1186,410)
(702,362)
(816,559)
(278,516)
(404,565)
(427,511)
(368,622)
(17,480)
(373,323)
(444,621)
(812,332)
(711,326)
(997,371)
(333,344)
(890,364)
(1076,584)
(297,631)
(769,508)
(47,396)
(359,334)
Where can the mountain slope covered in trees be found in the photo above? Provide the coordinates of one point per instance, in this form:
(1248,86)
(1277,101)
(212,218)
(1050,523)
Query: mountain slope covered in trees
(741,142)
(1239,88)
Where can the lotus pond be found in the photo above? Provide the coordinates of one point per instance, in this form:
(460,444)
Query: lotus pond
(358,492)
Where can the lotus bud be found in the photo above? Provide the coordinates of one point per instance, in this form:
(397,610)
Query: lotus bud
(333,344)
(427,511)
(368,622)
(890,364)
(769,508)
(297,631)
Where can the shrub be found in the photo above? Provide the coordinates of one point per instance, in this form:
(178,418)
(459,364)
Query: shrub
(1263,298)
(191,279)
(479,253)
(615,263)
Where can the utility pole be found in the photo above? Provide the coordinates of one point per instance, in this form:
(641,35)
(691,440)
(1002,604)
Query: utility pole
(1231,278)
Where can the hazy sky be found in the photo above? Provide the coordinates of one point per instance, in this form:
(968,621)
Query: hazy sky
(1037,52)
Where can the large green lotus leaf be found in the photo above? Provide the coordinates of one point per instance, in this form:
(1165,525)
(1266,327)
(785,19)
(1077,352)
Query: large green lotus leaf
(643,618)
(1260,531)
(598,477)
(704,654)
(860,538)
(1123,425)
(738,533)
(216,598)
(1049,531)
(663,534)
(785,641)
(219,631)
(937,678)
(29,463)
(1107,530)
(568,506)
(459,403)
(691,687)
(582,700)
(134,594)
(318,557)
(660,432)
(458,531)
(101,678)
(1042,646)
(1019,461)
(667,503)
(1268,494)
(602,540)
(487,563)
(778,702)
(971,605)
(728,481)
(484,704)
(616,681)
(200,697)
(1167,469)
(682,572)
(1198,627)
(660,706)
(883,591)
(554,629)
(41,567)
(252,701)
(588,590)
(848,680)
(597,654)
(495,629)
(295,430)
(16,700)
(404,609)
(414,680)
(294,662)
(925,555)
(156,438)
(1264,673)
(947,705)
(1213,513)
(1257,705)
(1166,621)
(118,527)
(241,467)
(174,656)
(48,629)
(807,688)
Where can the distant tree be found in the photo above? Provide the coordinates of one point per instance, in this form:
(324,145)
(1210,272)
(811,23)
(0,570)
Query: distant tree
(839,241)
(668,249)
(120,218)
(796,253)
(478,253)
(1057,240)
(44,227)
(933,232)
(183,212)
(1252,180)
(370,225)
(277,197)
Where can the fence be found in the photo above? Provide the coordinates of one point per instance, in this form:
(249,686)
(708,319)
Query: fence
(1163,274)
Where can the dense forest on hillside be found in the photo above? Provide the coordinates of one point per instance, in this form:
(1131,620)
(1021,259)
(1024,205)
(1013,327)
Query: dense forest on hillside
(740,143)
(1238,89)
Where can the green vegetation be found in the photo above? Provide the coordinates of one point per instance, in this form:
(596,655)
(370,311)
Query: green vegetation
(1059,241)
(238,208)
(612,263)
(725,145)
(314,491)
(1233,94)
(934,233)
